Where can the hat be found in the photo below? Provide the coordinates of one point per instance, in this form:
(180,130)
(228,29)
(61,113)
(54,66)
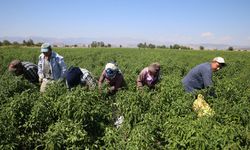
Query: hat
(111,66)
(73,76)
(219,60)
(111,69)
(13,65)
(45,47)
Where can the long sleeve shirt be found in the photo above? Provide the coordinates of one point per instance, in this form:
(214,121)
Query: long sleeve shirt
(115,83)
(144,78)
(57,65)
(30,72)
(80,76)
(198,78)
(87,79)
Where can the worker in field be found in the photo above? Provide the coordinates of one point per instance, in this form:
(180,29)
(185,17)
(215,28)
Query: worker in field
(200,76)
(79,76)
(27,69)
(149,76)
(51,67)
(113,77)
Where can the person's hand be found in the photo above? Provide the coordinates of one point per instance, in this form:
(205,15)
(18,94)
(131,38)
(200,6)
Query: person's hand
(60,80)
(140,88)
(110,92)
(112,88)
(40,80)
(100,91)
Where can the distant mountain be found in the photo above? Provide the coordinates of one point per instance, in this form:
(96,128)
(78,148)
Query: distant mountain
(51,40)
(125,42)
(209,46)
(116,42)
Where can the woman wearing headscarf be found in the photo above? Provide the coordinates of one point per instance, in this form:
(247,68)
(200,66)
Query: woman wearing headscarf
(113,77)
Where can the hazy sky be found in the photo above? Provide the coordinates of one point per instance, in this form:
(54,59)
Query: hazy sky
(183,21)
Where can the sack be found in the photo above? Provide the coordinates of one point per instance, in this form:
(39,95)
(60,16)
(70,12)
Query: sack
(201,107)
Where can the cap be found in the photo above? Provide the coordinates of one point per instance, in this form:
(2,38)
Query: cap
(219,60)
(45,47)
(13,65)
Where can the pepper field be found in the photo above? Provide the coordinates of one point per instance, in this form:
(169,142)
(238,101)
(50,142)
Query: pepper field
(158,119)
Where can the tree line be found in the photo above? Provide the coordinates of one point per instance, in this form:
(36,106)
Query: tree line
(152,46)
(174,46)
(96,44)
(29,42)
(99,44)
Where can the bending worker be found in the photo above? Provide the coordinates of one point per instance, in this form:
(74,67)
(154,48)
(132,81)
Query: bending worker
(200,76)
(27,69)
(113,77)
(80,76)
(149,76)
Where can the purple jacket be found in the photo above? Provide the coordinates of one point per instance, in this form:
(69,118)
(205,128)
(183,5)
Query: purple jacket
(145,78)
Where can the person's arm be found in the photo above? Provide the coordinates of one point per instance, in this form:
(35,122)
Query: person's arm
(207,77)
(118,84)
(101,79)
(40,71)
(140,79)
(159,76)
(32,73)
(90,82)
(208,83)
(63,67)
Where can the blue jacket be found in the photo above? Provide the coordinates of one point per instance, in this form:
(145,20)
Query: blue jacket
(198,78)
(58,67)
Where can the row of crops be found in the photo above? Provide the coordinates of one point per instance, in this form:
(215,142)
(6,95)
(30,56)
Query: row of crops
(153,119)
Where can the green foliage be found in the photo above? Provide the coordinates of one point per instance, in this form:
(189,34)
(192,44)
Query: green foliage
(95,44)
(28,43)
(66,134)
(153,119)
(230,48)
(16,44)
(177,46)
(150,45)
(6,43)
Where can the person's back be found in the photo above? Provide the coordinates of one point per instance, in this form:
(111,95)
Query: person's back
(118,81)
(198,78)
(27,69)
(79,76)
(30,72)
